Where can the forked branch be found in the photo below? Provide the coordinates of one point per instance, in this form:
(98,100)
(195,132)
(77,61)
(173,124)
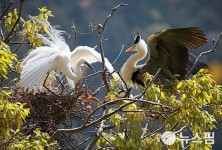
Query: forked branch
(101,30)
(215,44)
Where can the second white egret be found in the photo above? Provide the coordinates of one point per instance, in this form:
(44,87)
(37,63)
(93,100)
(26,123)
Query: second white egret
(56,55)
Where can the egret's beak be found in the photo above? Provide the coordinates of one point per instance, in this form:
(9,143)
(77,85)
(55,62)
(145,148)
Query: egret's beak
(90,66)
(130,49)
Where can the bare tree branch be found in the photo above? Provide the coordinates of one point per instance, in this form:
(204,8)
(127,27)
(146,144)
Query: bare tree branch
(101,30)
(118,55)
(98,133)
(87,124)
(204,53)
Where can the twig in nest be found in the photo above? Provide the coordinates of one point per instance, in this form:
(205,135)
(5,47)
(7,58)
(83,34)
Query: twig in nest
(44,84)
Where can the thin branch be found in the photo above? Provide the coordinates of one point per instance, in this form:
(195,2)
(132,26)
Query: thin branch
(6,9)
(98,133)
(157,130)
(181,129)
(150,82)
(204,53)
(86,124)
(92,74)
(146,126)
(44,85)
(113,10)
(84,141)
(16,22)
(101,30)
(118,55)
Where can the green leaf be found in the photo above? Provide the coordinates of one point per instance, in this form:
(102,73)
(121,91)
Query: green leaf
(179,85)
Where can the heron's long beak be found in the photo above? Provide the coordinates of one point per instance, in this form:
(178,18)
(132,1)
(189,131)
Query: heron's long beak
(90,66)
(132,48)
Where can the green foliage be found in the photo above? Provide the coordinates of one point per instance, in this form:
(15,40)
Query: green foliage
(34,25)
(36,142)
(11,20)
(6,59)
(113,89)
(13,133)
(12,116)
(193,104)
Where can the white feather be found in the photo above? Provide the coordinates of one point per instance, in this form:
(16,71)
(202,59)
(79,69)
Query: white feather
(36,66)
(56,55)
(91,56)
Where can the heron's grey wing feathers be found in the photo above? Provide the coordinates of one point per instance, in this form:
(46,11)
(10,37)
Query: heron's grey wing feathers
(172,45)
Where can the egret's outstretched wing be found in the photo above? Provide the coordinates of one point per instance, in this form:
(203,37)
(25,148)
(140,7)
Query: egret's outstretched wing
(88,53)
(35,67)
(91,56)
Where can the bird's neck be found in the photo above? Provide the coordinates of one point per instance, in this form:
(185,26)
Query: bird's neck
(71,75)
(135,58)
(131,65)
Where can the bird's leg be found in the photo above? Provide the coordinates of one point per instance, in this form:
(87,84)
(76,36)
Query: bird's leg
(128,92)
(44,85)
(63,87)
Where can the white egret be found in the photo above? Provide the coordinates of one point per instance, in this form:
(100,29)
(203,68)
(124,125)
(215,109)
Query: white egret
(168,50)
(56,55)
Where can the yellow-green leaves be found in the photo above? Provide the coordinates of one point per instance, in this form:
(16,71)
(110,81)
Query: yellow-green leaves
(179,85)
(114,84)
(11,20)
(34,25)
(38,141)
(6,59)
(44,13)
(116,119)
(13,133)
(193,103)
(12,116)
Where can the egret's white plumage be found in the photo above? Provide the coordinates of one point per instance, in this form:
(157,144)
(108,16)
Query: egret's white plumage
(56,55)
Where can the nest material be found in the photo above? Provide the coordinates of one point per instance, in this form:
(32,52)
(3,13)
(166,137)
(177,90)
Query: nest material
(48,111)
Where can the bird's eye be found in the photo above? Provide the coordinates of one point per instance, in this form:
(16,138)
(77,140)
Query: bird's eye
(137,39)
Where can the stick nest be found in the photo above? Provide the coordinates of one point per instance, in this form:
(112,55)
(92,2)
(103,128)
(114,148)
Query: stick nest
(48,111)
